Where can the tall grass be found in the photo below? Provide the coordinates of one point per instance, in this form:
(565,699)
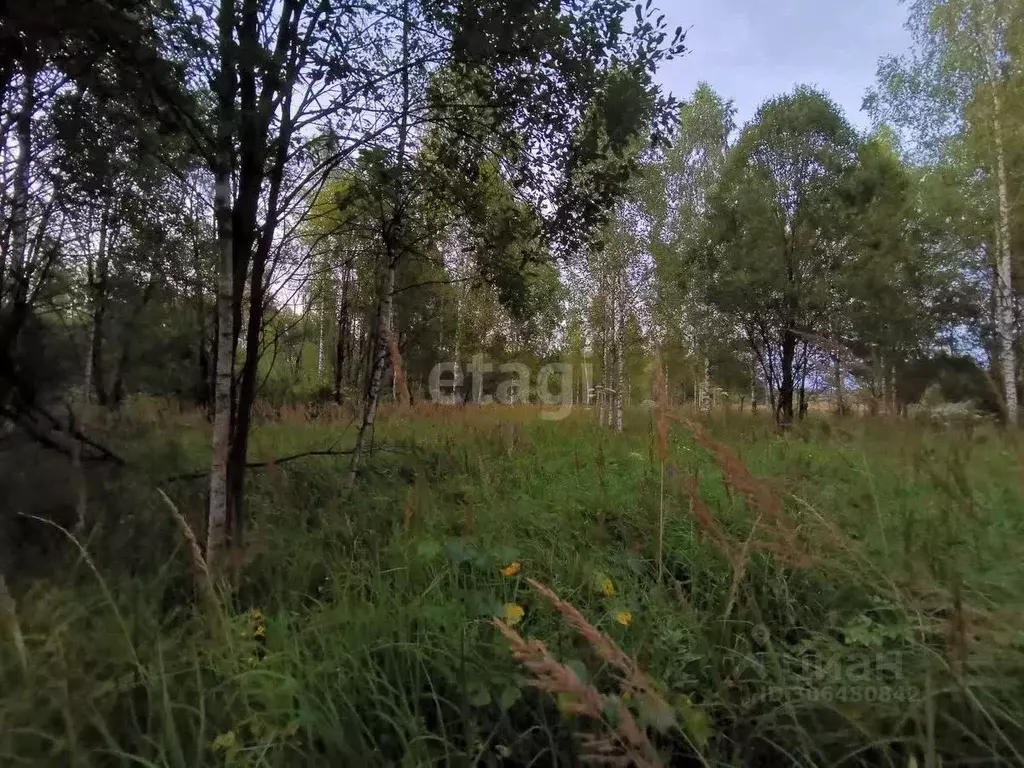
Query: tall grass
(704,592)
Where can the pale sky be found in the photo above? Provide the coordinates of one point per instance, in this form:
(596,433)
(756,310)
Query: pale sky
(751,50)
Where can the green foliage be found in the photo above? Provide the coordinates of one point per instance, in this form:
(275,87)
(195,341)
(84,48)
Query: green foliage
(376,650)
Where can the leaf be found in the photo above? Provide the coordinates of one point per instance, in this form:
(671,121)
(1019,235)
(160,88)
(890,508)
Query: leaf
(428,550)
(655,713)
(579,668)
(510,694)
(695,720)
(478,695)
(507,554)
(480,603)
(610,706)
(698,726)
(458,552)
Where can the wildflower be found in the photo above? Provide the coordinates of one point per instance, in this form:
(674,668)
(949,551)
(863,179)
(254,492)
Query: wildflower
(259,625)
(512,568)
(513,613)
(605,585)
(225,742)
(625,618)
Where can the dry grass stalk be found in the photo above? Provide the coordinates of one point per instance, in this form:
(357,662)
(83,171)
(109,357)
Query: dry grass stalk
(705,520)
(627,743)
(782,539)
(634,681)
(200,570)
(401,387)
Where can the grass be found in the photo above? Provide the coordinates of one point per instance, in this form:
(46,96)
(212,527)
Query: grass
(848,593)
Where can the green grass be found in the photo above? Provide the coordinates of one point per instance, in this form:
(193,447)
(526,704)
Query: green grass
(378,645)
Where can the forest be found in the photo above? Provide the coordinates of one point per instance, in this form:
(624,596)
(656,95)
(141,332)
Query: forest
(422,382)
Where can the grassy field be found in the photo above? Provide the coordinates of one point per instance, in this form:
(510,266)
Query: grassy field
(849,593)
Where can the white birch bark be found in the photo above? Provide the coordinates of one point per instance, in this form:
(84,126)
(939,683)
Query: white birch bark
(619,357)
(20,190)
(225,370)
(386,305)
(1004,295)
(320,342)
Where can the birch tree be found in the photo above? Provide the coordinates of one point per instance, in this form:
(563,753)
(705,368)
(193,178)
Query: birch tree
(962,54)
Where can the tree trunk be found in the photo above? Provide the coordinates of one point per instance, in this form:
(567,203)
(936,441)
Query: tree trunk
(19,197)
(784,409)
(803,382)
(253,242)
(339,351)
(320,343)
(1004,296)
(361,361)
(602,395)
(838,374)
(753,385)
(705,386)
(619,356)
(96,379)
(394,373)
(224,377)
(375,375)
(394,251)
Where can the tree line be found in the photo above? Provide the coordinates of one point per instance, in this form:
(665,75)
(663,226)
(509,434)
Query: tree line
(188,181)
(794,258)
(242,202)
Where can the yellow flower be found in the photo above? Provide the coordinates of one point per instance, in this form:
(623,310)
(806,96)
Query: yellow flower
(513,613)
(605,585)
(625,618)
(512,568)
(225,742)
(259,625)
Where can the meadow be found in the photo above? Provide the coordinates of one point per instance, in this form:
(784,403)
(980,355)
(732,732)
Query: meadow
(500,589)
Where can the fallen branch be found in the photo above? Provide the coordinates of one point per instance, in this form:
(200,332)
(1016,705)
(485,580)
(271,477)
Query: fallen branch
(271,462)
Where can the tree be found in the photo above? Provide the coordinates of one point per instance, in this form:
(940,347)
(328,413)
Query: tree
(775,229)
(676,193)
(959,68)
(897,292)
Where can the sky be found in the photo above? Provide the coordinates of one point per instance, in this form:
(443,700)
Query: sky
(751,50)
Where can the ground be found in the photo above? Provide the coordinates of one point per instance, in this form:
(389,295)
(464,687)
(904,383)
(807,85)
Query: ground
(847,592)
